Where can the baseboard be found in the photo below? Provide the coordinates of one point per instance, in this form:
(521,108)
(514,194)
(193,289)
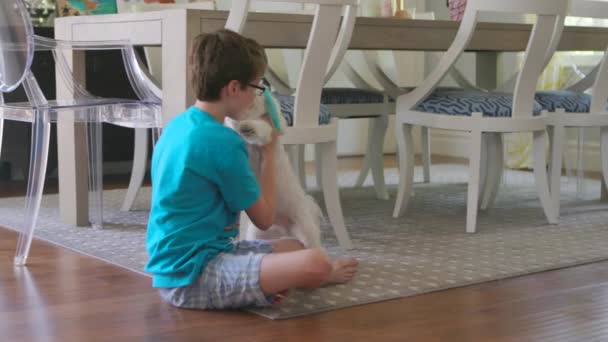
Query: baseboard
(456,144)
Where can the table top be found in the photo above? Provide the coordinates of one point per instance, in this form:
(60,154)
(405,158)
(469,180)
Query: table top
(280,30)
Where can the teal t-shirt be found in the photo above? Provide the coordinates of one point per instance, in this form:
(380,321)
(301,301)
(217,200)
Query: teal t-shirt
(201,180)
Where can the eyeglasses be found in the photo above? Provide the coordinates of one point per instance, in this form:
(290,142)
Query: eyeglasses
(259,90)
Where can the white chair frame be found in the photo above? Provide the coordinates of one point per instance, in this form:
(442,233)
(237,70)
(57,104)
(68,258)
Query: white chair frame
(550,17)
(376,112)
(373,159)
(326,46)
(597,80)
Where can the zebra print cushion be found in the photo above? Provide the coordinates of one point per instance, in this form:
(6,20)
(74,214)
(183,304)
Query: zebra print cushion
(570,101)
(350,96)
(287,104)
(466,102)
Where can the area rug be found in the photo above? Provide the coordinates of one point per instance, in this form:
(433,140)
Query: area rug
(426,250)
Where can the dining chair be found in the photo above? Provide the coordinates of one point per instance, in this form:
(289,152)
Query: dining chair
(328,39)
(18,43)
(573,108)
(483,113)
(373,159)
(359,101)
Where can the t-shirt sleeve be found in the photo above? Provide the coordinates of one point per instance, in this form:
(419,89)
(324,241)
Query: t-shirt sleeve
(237,182)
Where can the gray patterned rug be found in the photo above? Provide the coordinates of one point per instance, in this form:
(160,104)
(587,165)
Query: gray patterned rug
(427,250)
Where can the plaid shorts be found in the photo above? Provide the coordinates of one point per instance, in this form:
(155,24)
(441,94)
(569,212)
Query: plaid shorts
(229,281)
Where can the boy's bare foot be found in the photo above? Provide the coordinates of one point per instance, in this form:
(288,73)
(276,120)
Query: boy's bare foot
(343,270)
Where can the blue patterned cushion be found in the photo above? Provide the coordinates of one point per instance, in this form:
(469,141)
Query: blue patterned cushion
(466,102)
(331,96)
(570,101)
(287,103)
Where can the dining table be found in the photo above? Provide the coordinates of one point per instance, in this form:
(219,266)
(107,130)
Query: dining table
(173,30)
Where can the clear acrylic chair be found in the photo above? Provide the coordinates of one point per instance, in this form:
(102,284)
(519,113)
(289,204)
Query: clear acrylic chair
(17,46)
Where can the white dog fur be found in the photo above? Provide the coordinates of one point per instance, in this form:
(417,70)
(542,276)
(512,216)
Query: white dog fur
(298,211)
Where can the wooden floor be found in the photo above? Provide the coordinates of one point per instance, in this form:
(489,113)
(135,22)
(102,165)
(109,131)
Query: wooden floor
(65,296)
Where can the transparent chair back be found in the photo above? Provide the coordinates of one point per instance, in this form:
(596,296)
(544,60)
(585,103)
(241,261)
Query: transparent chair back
(17,46)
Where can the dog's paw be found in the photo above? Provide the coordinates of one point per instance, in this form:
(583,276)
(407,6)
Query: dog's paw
(255,132)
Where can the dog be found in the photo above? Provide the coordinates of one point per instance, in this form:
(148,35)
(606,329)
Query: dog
(297,214)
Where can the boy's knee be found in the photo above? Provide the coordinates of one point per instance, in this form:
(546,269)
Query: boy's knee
(318,267)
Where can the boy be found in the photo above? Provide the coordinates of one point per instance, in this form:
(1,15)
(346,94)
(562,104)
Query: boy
(201,180)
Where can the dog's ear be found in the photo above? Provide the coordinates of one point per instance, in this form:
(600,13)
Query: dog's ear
(259,107)
(266,84)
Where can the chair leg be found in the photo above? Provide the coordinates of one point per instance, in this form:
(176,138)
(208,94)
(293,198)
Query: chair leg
(405,152)
(550,133)
(301,156)
(474,180)
(580,161)
(293,152)
(1,130)
(155,135)
(569,169)
(485,159)
(38,159)
(540,173)
(365,167)
(138,171)
(318,166)
(426,153)
(495,171)
(96,171)
(604,152)
(557,136)
(329,161)
(376,155)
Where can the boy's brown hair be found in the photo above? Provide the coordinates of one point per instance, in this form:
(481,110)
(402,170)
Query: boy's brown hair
(220,57)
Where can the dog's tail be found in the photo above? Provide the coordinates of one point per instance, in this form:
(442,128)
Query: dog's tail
(317,214)
(308,223)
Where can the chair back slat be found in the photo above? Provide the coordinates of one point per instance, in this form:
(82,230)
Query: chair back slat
(16,44)
(535,60)
(316,59)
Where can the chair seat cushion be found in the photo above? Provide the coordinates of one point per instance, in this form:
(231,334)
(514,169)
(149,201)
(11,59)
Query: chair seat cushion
(287,104)
(570,101)
(331,96)
(465,102)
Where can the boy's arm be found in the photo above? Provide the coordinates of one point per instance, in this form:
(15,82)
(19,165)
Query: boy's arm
(262,211)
